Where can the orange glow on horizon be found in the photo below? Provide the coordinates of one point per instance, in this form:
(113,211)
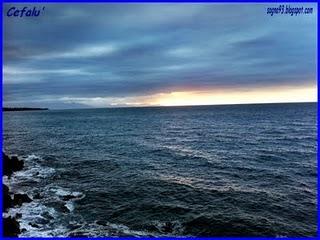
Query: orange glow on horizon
(219,97)
(209,97)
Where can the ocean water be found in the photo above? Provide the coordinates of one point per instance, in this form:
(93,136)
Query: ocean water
(242,170)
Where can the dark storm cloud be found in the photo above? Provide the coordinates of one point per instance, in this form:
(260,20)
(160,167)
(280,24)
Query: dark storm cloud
(119,50)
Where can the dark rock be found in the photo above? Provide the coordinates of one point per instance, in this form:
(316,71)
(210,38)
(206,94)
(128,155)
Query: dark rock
(17,164)
(5,189)
(23,230)
(7,200)
(11,227)
(6,165)
(11,165)
(18,199)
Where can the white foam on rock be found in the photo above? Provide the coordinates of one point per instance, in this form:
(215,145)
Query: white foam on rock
(32,171)
(30,213)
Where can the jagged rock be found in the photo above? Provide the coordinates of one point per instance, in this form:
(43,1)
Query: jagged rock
(7,200)
(5,188)
(18,199)
(11,165)
(6,165)
(11,227)
(17,164)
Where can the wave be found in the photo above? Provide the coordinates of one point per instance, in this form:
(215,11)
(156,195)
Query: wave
(51,212)
(38,218)
(33,171)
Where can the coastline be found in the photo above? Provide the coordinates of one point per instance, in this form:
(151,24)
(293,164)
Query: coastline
(11,199)
(14,109)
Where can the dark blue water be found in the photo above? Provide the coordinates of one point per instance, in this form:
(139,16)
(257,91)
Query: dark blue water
(246,170)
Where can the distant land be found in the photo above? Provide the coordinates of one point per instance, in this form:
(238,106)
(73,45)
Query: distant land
(8,109)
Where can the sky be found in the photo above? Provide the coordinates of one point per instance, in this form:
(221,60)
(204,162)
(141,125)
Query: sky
(114,55)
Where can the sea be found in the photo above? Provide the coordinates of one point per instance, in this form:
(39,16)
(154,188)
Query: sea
(233,170)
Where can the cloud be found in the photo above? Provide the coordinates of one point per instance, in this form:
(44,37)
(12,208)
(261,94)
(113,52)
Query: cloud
(185,52)
(92,50)
(112,51)
(16,75)
(22,71)
(99,102)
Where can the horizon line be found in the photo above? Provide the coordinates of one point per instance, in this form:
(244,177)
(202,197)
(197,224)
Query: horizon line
(158,106)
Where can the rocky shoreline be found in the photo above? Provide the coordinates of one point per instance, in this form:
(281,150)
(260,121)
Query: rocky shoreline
(11,226)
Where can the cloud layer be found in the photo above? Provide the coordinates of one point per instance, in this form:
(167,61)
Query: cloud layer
(77,54)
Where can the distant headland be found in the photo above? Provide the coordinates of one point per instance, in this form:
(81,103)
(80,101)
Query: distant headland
(8,109)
